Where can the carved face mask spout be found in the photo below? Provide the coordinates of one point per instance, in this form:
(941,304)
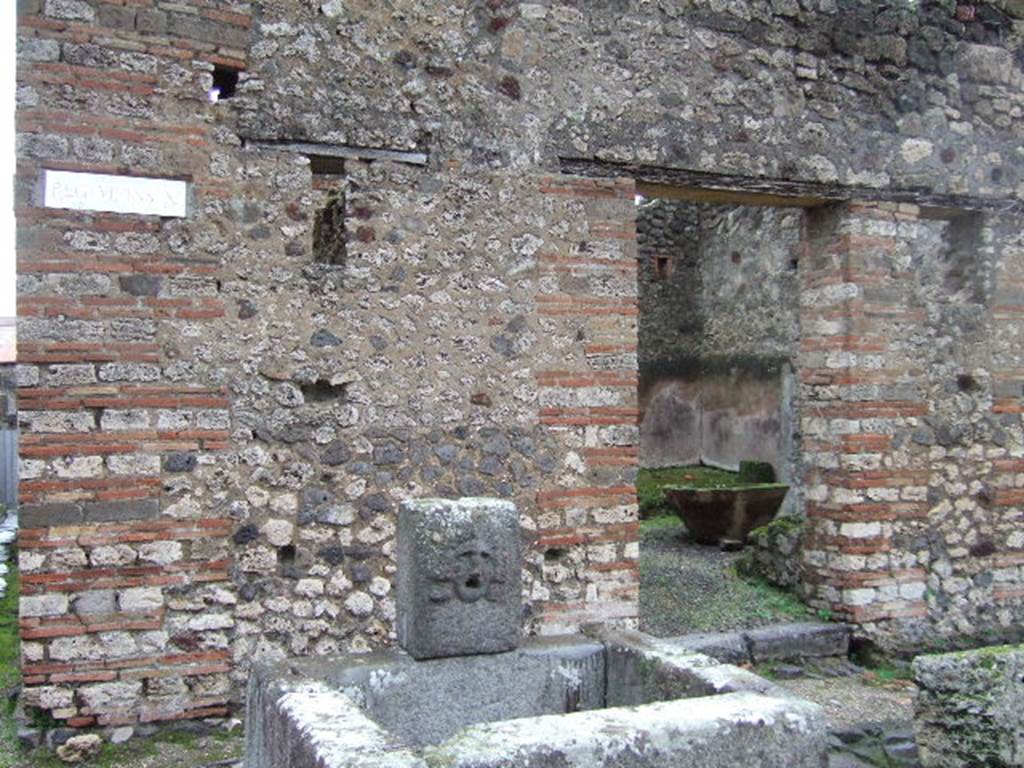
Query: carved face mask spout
(474,573)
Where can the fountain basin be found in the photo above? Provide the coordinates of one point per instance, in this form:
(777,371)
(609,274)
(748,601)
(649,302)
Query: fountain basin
(618,698)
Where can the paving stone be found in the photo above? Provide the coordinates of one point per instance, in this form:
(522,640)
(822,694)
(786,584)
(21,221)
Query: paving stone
(799,640)
(787,672)
(846,760)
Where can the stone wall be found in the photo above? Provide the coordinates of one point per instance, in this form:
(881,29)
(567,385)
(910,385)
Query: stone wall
(670,284)
(749,259)
(219,420)
(910,386)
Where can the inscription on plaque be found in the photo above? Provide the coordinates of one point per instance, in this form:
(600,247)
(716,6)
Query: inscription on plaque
(115,194)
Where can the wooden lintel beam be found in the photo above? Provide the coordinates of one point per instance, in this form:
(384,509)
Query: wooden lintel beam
(727,196)
(342,151)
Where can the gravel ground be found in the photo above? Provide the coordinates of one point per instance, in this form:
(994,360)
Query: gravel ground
(853,702)
(687,587)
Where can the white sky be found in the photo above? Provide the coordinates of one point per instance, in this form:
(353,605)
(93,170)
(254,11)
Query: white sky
(7,68)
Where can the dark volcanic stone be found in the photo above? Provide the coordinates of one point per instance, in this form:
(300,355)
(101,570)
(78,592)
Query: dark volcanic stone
(179,462)
(324,338)
(245,534)
(332,555)
(335,453)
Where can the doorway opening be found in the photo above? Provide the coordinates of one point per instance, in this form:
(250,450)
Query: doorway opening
(719,334)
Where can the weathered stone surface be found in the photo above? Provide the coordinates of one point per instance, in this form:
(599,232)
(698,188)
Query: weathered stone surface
(717,731)
(800,640)
(458,577)
(969,709)
(79,749)
(773,552)
(561,701)
(140,599)
(121,735)
(728,647)
(43,605)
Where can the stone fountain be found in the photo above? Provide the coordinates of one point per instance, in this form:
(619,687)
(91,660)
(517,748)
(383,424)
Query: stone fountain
(466,693)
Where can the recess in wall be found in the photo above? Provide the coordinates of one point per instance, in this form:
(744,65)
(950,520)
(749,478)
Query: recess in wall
(225,81)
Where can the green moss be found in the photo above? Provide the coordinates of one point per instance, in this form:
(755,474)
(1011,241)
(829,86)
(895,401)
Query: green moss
(733,487)
(786,525)
(662,523)
(10,671)
(650,485)
(167,748)
(770,601)
(887,673)
(990,651)
(756,472)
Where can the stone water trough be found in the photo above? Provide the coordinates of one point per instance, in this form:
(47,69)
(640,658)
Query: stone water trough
(713,514)
(610,698)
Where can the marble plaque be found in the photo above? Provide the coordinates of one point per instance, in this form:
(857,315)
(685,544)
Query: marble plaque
(115,194)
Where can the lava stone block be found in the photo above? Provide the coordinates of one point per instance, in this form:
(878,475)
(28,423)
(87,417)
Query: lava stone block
(459,577)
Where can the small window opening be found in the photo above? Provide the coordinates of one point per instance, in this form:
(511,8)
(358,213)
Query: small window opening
(330,239)
(323,390)
(225,82)
(662,267)
(967,383)
(327,165)
(286,561)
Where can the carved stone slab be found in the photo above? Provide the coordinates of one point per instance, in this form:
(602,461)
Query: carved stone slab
(459,577)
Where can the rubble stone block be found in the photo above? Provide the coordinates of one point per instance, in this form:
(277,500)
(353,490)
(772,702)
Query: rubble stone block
(969,709)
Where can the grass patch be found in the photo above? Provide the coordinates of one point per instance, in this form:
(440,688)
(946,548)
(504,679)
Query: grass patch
(10,653)
(666,523)
(167,749)
(772,602)
(10,673)
(888,675)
